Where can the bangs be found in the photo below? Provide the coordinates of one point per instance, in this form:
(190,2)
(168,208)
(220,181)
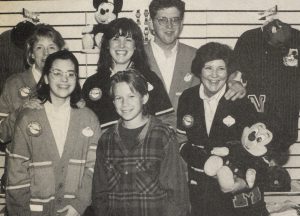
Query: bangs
(123,33)
(44,36)
(123,28)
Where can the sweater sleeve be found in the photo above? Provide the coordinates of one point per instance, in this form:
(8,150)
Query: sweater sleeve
(7,116)
(84,192)
(173,180)
(18,177)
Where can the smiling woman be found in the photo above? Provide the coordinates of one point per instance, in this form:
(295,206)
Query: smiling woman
(209,121)
(20,87)
(124,41)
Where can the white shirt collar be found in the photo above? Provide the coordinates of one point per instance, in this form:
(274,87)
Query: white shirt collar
(156,47)
(216,97)
(58,110)
(36,74)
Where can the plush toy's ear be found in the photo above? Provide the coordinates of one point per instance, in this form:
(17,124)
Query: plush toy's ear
(96,3)
(118,6)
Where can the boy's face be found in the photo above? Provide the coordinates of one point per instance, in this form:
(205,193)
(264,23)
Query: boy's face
(167,25)
(129,104)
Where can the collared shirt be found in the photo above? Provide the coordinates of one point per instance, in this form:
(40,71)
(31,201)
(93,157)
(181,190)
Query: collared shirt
(165,63)
(210,105)
(36,74)
(59,118)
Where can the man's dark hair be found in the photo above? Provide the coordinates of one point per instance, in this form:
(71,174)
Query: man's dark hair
(156,5)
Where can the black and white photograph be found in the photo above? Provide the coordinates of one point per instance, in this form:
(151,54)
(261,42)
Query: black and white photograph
(149,108)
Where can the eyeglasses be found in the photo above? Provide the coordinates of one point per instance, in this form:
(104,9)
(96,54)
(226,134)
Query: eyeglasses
(164,21)
(58,74)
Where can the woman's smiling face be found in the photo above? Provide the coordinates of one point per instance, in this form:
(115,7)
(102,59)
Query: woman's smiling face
(214,76)
(121,49)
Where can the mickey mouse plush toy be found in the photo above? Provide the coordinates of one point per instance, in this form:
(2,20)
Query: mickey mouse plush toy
(107,10)
(241,159)
(241,168)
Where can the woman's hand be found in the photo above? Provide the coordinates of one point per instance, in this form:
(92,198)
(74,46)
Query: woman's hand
(70,211)
(32,104)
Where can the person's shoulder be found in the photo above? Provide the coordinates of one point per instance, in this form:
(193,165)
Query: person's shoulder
(295,35)
(14,78)
(29,115)
(241,106)
(86,113)
(107,133)
(186,48)
(191,92)
(157,125)
(252,33)
(92,79)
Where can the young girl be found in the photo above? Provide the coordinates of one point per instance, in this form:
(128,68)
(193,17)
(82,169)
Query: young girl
(122,47)
(138,170)
(51,157)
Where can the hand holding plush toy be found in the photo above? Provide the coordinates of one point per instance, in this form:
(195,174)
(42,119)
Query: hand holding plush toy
(241,160)
(107,10)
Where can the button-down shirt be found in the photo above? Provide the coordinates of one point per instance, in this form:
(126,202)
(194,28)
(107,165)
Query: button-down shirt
(165,63)
(59,118)
(210,105)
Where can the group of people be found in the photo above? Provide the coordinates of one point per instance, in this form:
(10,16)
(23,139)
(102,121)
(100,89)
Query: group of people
(115,146)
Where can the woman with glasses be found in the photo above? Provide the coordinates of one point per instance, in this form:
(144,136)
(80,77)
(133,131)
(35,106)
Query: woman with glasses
(19,88)
(52,154)
(122,48)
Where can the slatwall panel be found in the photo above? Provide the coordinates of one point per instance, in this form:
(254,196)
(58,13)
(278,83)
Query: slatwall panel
(205,20)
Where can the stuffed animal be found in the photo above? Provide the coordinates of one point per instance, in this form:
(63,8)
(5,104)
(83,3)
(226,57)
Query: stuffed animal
(240,159)
(107,10)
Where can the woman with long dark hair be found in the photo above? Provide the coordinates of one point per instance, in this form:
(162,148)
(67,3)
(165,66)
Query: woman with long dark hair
(122,48)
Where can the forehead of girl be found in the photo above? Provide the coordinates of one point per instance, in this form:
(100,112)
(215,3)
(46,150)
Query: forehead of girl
(47,39)
(63,65)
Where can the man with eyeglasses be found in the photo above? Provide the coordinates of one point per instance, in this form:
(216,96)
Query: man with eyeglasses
(171,59)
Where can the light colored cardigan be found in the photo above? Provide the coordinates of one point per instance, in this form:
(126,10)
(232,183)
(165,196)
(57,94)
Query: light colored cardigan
(39,181)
